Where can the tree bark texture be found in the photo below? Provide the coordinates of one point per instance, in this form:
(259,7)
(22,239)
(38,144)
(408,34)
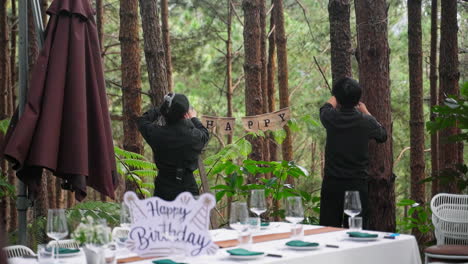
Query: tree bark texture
(154,51)
(252,69)
(131,82)
(5,83)
(100,23)
(44,7)
(448,84)
(166,37)
(371,19)
(51,192)
(434,96)
(264,71)
(271,69)
(14,28)
(340,38)
(282,55)
(229,88)
(416,122)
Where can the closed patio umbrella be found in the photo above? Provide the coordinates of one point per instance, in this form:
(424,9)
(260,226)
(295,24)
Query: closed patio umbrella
(65,126)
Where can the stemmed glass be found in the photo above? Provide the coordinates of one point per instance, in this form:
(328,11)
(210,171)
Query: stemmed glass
(294,212)
(239,219)
(125,217)
(57,227)
(258,203)
(352,204)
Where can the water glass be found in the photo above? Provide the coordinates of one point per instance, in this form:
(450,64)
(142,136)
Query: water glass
(355,223)
(294,213)
(125,216)
(239,221)
(254,223)
(57,227)
(110,254)
(44,254)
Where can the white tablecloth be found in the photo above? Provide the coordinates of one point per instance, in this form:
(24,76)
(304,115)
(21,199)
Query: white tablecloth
(401,250)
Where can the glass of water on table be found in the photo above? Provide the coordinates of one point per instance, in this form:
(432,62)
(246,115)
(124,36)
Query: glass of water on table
(295,215)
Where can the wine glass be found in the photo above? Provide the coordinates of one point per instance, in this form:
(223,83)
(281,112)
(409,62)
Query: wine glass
(352,204)
(57,227)
(258,203)
(239,219)
(294,212)
(125,217)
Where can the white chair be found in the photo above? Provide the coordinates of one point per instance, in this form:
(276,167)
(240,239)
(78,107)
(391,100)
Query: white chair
(450,219)
(119,232)
(18,251)
(67,243)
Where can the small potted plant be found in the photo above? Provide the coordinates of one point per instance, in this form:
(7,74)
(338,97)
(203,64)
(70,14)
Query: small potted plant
(92,236)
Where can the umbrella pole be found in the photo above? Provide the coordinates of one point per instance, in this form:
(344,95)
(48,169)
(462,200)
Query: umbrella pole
(22,202)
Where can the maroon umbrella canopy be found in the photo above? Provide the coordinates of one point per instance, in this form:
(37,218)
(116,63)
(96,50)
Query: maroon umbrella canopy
(65,126)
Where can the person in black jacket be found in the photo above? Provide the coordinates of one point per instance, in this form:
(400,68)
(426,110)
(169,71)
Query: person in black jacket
(349,127)
(177,138)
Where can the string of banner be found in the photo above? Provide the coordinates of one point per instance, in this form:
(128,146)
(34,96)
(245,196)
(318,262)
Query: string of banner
(263,122)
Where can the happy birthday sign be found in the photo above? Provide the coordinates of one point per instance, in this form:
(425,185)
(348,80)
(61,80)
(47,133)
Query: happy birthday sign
(263,122)
(162,228)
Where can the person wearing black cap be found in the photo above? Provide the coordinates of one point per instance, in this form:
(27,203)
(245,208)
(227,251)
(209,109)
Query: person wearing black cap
(349,127)
(177,138)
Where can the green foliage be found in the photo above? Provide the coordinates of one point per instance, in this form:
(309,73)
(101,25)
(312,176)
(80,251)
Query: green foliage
(136,168)
(4,125)
(459,175)
(96,210)
(6,189)
(419,217)
(454,113)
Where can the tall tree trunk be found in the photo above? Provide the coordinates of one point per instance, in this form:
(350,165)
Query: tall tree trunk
(282,53)
(434,97)
(252,69)
(44,7)
(70,199)
(100,23)
(229,63)
(14,27)
(374,79)
(166,39)
(5,94)
(59,194)
(340,38)
(131,82)
(154,51)
(417,164)
(51,192)
(449,76)
(271,69)
(264,72)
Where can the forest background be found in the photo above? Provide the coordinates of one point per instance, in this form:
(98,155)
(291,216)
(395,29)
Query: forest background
(198,34)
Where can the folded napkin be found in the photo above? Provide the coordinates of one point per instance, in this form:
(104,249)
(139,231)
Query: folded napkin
(264,223)
(64,250)
(166,261)
(243,252)
(300,243)
(361,234)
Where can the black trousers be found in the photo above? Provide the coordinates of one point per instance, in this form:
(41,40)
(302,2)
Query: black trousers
(167,186)
(332,201)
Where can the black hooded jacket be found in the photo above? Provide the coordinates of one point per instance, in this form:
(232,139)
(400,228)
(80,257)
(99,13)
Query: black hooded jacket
(176,147)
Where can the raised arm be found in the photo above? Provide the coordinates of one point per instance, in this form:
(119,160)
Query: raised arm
(327,111)
(146,124)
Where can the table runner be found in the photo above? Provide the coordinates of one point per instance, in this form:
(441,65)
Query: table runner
(271,237)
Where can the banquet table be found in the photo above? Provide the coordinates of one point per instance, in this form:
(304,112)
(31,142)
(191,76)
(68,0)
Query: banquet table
(401,250)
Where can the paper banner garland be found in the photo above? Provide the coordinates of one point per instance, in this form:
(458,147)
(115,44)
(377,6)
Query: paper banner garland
(263,122)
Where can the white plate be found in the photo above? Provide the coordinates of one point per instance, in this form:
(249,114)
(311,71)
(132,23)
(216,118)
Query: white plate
(304,248)
(247,257)
(363,238)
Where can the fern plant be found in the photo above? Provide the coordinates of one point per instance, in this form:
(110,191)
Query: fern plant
(136,168)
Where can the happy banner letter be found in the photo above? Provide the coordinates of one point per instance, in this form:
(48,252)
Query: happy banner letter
(225,125)
(282,116)
(210,122)
(161,228)
(250,123)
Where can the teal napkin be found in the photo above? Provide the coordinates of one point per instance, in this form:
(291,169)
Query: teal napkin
(300,243)
(243,252)
(361,234)
(64,250)
(264,223)
(166,261)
